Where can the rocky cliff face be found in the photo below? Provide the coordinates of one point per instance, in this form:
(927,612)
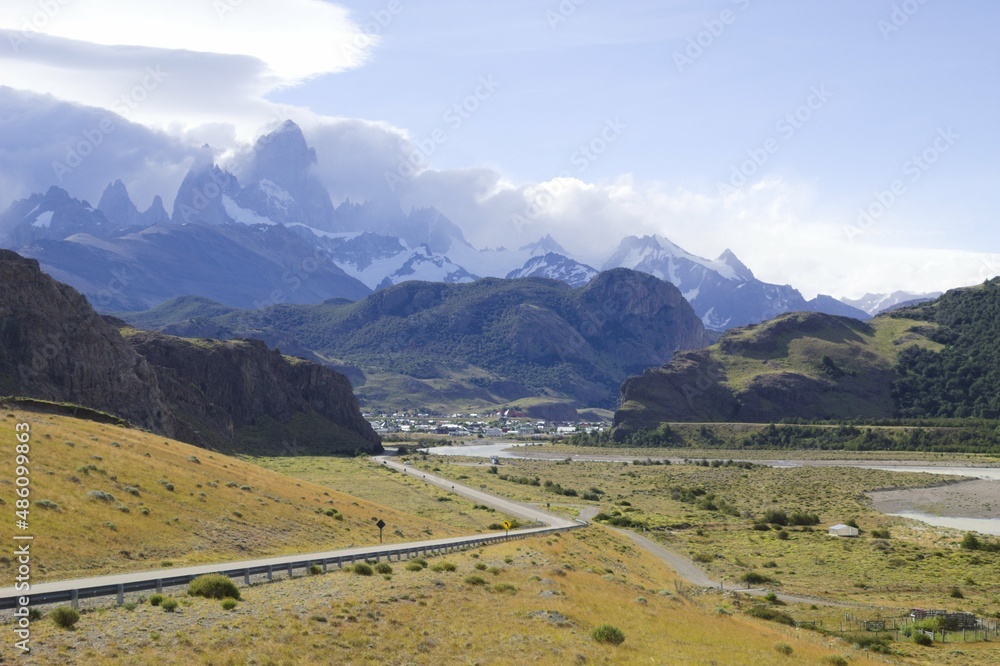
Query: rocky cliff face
(236,396)
(55,347)
(223,391)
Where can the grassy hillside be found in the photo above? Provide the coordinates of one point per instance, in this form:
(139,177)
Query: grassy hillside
(107,499)
(937,360)
(539,607)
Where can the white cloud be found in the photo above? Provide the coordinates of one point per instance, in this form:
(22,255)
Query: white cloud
(183,64)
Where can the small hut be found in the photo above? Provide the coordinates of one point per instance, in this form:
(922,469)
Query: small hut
(843,531)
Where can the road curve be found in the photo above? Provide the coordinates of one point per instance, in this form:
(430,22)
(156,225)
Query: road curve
(524,511)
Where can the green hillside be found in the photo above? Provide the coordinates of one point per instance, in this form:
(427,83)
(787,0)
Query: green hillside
(939,360)
(421,344)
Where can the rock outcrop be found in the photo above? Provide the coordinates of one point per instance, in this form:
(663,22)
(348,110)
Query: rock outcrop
(234,396)
(55,347)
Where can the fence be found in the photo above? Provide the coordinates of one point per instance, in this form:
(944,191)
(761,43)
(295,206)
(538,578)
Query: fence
(67,591)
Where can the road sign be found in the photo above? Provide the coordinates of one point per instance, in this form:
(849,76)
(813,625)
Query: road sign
(506,526)
(380,524)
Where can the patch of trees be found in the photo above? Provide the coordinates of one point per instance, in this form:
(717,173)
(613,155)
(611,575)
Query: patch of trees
(963,379)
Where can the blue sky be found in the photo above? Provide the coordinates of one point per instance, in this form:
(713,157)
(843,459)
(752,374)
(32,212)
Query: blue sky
(874,84)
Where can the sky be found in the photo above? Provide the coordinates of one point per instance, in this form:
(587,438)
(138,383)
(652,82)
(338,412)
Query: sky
(839,147)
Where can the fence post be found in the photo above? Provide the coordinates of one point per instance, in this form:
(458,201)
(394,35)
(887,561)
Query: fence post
(121,594)
(289,569)
(75,598)
(270,572)
(246,577)
(159,585)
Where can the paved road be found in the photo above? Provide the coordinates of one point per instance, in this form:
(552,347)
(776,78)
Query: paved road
(528,513)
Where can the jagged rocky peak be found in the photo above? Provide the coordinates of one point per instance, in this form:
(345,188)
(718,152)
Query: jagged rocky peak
(202,194)
(545,245)
(54,215)
(155,214)
(281,182)
(285,146)
(117,206)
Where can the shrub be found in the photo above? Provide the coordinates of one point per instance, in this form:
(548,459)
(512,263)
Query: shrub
(228,604)
(65,616)
(881,534)
(776,517)
(101,496)
(362,569)
(414,566)
(923,639)
(956,593)
(213,586)
(169,604)
(609,634)
(754,578)
(383,568)
(835,660)
(315,569)
(783,648)
(782,535)
(503,588)
(475,580)
(767,613)
(970,542)
(47,504)
(156,599)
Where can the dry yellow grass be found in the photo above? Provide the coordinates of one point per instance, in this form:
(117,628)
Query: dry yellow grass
(564,587)
(219,508)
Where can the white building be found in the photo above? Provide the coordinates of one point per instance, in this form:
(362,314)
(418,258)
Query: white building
(843,531)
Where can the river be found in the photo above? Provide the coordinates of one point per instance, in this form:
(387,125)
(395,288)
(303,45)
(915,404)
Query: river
(966,501)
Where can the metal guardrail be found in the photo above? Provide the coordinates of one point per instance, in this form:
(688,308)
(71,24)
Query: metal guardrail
(156,580)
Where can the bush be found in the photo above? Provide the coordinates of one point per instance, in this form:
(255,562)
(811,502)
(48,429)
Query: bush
(503,588)
(783,648)
(923,639)
(101,496)
(156,599)
(169,604)
(881,534)
(956,593)
(213,586)
(607,633)
(228,604)
(776,517)
(383,568)
(315,569)
(970,542)
(414,566)
(754,578)
(767,613)
(363,569)
(835,660)
(65,616)
(475,580)
(782,535)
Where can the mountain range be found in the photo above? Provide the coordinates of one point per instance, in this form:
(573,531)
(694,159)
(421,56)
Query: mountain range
(267,232)
(434,345)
